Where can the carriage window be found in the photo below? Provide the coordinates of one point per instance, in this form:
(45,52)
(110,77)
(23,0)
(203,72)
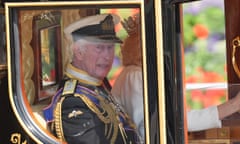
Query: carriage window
(204,53)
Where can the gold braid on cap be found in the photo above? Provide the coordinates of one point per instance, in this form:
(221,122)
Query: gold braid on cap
(131,25)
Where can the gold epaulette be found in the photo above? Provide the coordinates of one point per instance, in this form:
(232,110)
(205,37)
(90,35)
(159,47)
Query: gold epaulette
(69,87)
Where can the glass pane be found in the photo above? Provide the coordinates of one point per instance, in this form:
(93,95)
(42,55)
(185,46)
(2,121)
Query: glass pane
(204,53)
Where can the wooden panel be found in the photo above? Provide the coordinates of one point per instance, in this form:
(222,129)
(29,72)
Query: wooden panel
(225,135)
(214,141)
(232,16)
(232,22)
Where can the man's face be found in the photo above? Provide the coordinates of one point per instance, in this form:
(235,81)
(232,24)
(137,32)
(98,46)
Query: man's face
(97,59)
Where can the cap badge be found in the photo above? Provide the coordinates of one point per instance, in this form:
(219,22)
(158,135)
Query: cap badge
(107,24)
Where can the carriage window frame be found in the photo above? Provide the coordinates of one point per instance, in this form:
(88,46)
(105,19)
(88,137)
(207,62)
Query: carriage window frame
(17,91)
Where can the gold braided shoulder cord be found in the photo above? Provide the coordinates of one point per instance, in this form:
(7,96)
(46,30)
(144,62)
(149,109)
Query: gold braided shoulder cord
(58,120)
(94,108)
(235,45)
(108,116)
(113,116)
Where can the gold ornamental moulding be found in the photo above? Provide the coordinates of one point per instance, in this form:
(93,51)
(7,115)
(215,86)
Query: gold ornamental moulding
(235,46)
(16,139)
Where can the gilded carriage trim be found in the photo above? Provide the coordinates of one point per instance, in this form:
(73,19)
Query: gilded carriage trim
(58,120)
(16,139)
(161,115)
(235,45)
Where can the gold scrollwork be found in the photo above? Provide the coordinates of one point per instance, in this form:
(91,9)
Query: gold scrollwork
(46,15)
(235,45)
(16,139)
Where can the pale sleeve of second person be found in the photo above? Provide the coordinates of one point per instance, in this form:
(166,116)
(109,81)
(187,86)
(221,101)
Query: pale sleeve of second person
(203,119)
(128,92)
(211,117)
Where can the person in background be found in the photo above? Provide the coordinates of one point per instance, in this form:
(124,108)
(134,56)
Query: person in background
(83,110)
(128,87)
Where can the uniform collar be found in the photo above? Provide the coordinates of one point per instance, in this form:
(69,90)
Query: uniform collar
(82,76)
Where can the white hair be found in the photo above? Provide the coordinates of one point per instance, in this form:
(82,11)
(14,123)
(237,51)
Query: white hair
(80,44)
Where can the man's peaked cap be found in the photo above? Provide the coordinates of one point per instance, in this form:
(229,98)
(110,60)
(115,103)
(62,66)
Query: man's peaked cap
(97,27)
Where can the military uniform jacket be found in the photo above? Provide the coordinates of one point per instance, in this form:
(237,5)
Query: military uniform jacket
(86,114)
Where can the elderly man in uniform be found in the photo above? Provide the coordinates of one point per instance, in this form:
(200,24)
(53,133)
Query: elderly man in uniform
(83,109)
